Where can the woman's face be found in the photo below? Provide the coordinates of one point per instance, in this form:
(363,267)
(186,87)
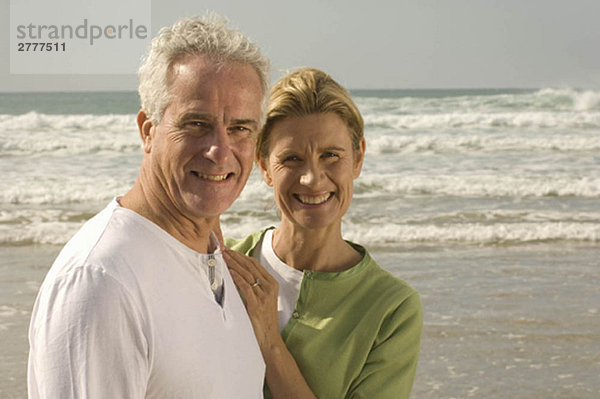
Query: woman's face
(311,166)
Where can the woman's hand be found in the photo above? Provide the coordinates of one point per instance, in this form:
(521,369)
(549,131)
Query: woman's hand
(260,291)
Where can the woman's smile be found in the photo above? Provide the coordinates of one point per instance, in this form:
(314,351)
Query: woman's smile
(313,199)
(312,167)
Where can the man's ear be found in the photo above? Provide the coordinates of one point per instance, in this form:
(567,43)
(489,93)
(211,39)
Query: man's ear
(359,157)
(145,127)
(264,170)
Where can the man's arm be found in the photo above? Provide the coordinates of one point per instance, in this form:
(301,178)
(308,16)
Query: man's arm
(86,339)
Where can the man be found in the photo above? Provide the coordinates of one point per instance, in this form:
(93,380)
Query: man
(139,303)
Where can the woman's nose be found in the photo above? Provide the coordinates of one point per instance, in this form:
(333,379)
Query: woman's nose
(310,174)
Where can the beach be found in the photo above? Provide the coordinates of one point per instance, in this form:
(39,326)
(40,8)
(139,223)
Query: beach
(485,201)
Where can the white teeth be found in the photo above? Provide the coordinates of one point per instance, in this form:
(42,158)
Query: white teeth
(212,177)
(312,200)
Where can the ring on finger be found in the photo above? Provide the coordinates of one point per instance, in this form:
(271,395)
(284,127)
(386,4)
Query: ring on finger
(256,284)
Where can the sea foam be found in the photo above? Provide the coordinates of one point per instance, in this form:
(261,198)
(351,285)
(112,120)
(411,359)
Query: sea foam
(470,233)
(33,133)
(482,120)
(381,234)
(469,143)
(34,121)
(478,186)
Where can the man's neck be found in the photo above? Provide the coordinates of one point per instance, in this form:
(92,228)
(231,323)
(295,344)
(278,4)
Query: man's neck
(194,233)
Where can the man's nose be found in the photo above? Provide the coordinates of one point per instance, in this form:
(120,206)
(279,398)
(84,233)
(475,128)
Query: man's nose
(218,147)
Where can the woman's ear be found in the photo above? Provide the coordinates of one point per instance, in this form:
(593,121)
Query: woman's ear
(359,157)
(145,127)
(264,170)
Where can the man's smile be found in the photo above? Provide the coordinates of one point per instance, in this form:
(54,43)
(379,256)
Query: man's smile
(212,177)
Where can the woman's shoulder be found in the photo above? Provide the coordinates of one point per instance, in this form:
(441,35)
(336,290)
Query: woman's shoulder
(395,302)
(247,244)
(380,283)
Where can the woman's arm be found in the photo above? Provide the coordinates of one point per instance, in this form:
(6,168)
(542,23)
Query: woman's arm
(260,291)
(390,367)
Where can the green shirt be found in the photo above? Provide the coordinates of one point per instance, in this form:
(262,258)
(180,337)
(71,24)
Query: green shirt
(354,334)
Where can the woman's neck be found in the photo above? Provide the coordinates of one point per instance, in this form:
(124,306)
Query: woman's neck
(314,249)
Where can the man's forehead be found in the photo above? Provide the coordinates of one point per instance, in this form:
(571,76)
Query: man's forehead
(204,78)
(189,64)
(202,66)
(197,85)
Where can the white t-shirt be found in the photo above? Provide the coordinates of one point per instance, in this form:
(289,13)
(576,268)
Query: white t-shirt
(289,279)
(127,311)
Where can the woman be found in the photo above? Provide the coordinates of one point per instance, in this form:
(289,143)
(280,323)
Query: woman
(330,322)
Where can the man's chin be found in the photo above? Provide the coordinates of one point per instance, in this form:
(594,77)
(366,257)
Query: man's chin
(203,210)
(209,202)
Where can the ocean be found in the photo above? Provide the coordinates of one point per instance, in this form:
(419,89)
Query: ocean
(486,201)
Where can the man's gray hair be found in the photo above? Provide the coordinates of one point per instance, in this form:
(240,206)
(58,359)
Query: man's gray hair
(209,36)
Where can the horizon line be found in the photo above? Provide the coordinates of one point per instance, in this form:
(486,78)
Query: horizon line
(349,89)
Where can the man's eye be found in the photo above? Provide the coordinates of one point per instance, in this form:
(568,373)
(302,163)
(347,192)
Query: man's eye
(330,155)
(242,129)
(197,124)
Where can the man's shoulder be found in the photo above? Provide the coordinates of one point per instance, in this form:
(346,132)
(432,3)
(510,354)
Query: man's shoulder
(79,248)
(112,254)
(104,242)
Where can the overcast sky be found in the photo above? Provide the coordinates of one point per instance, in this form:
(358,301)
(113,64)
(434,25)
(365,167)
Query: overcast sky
(390,44)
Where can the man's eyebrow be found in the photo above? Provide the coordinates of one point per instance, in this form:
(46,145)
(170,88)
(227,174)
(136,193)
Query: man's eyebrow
(210,118)
(195,115)
(334,148)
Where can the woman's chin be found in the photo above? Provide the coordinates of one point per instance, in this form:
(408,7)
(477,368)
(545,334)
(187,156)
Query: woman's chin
(314,216)
(317,223)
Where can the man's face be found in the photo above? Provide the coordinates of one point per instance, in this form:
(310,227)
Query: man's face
(202,149)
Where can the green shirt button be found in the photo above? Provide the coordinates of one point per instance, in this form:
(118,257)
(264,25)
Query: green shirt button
(296,315)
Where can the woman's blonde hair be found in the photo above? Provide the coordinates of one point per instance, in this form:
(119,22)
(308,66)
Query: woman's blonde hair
(309,91)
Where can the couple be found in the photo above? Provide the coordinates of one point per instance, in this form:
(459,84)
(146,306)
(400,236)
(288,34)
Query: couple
(144,301)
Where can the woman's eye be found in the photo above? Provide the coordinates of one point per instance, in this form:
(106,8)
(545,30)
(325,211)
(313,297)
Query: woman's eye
(291,158)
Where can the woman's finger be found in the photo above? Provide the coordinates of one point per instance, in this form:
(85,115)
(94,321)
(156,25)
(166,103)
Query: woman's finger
(247,291)
(244,267)
(250,264)
(258,284)
(234,264)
